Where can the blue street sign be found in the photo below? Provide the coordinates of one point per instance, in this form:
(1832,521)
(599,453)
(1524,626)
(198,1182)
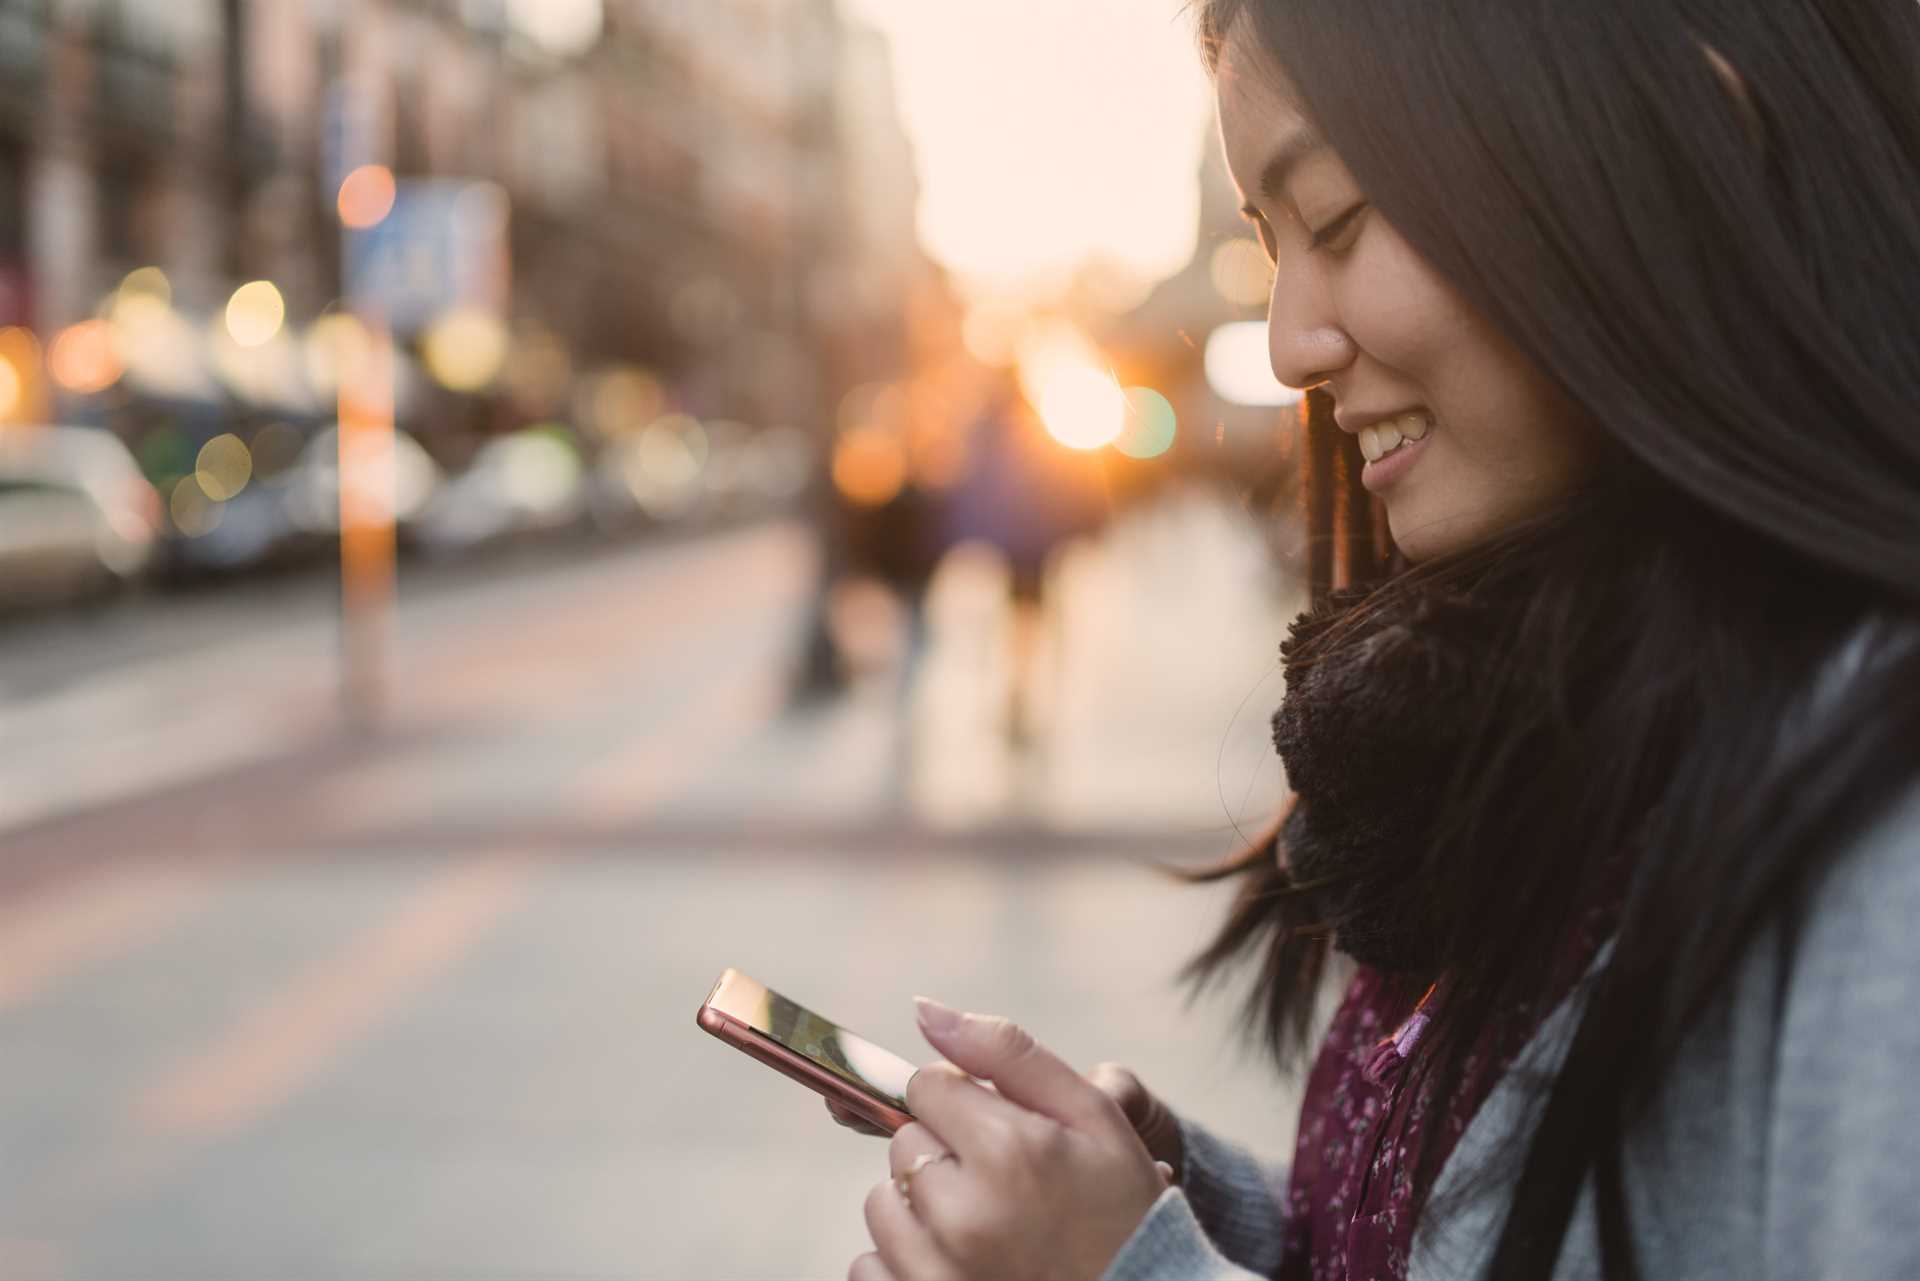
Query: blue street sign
(443,246)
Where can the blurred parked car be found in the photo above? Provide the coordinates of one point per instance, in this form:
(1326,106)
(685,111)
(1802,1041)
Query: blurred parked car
(530,482)
(313,491)
(76,515)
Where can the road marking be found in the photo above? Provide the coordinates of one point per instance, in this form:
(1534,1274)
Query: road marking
(77,923)
(274,1051)
(282,1045)
(24,1259)
(84,921)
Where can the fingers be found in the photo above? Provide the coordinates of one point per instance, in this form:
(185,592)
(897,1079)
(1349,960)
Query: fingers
(1151,1119)
(965,1115)
(869,1267)
(902,1241)
(997,1050)
(1124,1088)
(854,1121)
(915,1147)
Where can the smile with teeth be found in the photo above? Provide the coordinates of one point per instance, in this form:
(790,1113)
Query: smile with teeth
(1381,439)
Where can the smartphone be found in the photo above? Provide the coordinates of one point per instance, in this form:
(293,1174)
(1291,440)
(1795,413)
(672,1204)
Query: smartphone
(818,1053)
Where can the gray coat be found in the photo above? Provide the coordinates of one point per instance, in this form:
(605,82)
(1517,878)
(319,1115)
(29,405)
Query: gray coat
(1789,1145)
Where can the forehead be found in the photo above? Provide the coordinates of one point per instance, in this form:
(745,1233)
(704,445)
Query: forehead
(1259,107)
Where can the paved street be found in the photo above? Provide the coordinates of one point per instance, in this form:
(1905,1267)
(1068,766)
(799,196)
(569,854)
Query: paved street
(279,999)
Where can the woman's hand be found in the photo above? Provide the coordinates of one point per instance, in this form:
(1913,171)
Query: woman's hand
(1151,1119)
(1040,1176)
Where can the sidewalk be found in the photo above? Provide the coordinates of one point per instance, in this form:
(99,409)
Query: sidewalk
(1157,673)
(423,1003)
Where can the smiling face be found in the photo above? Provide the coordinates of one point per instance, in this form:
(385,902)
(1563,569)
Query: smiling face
(1355,311)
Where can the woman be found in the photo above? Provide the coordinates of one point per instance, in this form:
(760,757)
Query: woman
(1604,730)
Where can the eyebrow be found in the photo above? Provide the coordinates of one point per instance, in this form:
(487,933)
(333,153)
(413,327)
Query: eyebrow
(1303,141)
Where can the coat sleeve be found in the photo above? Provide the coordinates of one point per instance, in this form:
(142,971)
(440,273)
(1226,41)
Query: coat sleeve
(1844,1149)
(1225,1222)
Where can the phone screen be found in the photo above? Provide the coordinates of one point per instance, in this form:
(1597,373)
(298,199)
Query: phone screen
(860,1062)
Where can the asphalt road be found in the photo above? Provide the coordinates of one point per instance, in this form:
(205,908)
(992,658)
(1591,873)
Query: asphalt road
(283,999)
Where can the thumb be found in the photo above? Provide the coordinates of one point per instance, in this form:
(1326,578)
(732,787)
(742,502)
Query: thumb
(1025,1072)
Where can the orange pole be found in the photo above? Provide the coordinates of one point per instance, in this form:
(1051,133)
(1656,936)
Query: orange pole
(367,543)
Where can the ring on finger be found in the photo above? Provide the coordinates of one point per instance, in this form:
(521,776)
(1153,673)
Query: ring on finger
(903,1183)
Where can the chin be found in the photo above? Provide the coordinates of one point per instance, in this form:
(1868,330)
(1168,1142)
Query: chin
(1422,538)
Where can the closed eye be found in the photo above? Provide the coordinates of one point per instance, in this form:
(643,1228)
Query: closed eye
(1327,234)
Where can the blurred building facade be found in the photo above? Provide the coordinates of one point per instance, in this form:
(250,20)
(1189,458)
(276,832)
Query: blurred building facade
(1164,343)
(717,195)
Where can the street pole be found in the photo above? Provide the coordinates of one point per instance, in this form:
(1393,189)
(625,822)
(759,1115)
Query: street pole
(238,175)
(365,369)
(367,539)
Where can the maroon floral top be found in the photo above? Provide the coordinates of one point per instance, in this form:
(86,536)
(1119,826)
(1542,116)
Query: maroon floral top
(1351,1199)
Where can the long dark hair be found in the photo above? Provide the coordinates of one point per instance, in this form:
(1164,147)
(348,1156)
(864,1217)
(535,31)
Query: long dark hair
(1727,278)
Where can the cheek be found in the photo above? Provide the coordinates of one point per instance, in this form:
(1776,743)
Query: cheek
(1484,474)
(1451,500)
(1397,312)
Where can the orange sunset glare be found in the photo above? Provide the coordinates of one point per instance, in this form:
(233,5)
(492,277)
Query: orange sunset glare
(1051,138)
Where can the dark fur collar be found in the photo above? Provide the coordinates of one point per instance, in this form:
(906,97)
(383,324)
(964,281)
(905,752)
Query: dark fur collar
(1381,696)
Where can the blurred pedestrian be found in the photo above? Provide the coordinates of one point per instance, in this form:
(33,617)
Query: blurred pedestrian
(893,538)
(1603,732)
(1026,496)
(900,544)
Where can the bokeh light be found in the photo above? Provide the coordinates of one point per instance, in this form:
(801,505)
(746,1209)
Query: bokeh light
(255,314)
(84,358)
(21,392)
(13,388)
(465,348)
(661,464)
(561,27)
(163,352)
(270,375)
(1063,377)
(1150,424)
(540,468)
(224,467)
(137,316)
(674,449)
(146,282)
(367,196)
(21,348)
(622,400)
(869,466)
(335,349)
(1240,272)
(1081,407)
(194,514)
(1239,368)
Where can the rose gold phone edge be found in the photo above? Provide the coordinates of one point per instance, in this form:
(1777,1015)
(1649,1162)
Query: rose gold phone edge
(758,1045)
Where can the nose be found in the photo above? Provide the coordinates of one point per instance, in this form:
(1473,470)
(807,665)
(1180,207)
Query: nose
(1305,342)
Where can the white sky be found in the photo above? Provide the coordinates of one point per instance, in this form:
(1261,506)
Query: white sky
(1048,132)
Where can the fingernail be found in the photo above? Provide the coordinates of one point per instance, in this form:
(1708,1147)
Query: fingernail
(935,1017)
